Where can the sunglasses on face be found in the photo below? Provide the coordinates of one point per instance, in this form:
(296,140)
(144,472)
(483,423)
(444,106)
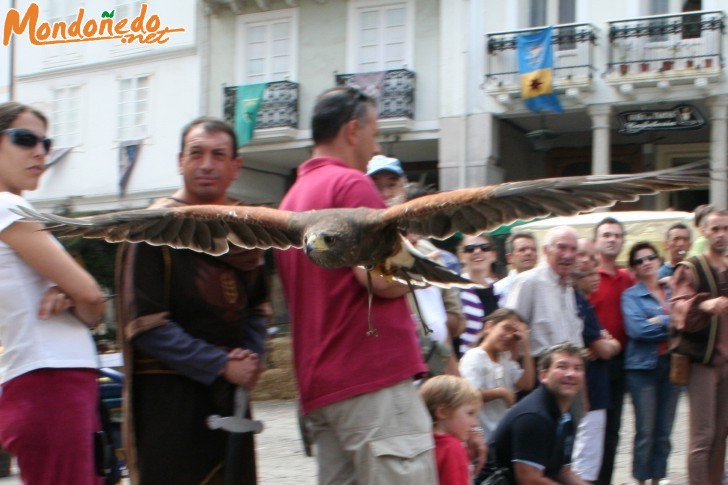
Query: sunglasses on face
(27,139)
(649,257)
(470,248)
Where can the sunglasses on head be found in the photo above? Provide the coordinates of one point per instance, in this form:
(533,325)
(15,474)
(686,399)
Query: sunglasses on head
(649,257)
(27,139)
(354,98)
(470,248)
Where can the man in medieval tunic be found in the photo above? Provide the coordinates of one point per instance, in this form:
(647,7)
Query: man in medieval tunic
(193,329)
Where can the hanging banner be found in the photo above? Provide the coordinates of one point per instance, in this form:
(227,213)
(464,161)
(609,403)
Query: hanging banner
(247,104)
(372,83)
(535,64)
(56,155)
(128,154)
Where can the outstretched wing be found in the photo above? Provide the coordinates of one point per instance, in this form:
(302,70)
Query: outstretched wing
(480,209)
(203,228)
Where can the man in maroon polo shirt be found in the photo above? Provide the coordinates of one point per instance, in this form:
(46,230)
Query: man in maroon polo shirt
(609,239)
(365,417)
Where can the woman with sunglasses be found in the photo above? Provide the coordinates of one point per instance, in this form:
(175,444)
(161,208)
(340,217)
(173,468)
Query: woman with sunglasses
(49,402)
(646,311)
(478,257)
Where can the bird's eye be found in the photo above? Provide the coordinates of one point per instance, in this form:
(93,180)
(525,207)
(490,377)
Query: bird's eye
(329,240)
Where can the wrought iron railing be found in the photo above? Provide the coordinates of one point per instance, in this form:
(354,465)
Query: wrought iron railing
(690,41)
(279,107)
(394,90)
(573,54)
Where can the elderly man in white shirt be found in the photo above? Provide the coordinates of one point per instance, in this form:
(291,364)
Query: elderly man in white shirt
(544,295)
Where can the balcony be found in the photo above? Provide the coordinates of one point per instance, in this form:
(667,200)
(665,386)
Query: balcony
(277,118)
(664,49)
(573,58)
(395,93)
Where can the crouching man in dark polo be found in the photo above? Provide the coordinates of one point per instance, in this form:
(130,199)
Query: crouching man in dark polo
(533,442)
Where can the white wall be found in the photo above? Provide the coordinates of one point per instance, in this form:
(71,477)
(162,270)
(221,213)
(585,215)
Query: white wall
(90,174)
(34,59)
(91,169)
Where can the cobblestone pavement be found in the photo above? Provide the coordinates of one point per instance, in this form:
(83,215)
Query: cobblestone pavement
(677,471)
(282,461)
(280,453)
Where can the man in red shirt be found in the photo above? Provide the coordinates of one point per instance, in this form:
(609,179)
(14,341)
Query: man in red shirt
(355,387)
(608,240)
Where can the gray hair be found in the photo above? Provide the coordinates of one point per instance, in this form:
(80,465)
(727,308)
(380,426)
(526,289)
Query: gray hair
(557,231)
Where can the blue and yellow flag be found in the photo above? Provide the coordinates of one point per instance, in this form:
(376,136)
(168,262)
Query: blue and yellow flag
(249,99)
(535,64)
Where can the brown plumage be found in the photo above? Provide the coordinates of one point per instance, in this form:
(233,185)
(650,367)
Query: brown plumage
(335,238)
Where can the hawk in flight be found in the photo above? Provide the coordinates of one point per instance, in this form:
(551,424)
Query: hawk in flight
(371,238)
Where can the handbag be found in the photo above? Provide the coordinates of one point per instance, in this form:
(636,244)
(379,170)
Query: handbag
(679,369)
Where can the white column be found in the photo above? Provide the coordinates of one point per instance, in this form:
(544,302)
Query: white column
(600,138)
(718,148)
(452,149)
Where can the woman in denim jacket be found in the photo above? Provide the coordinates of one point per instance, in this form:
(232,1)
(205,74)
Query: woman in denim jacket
(646,314)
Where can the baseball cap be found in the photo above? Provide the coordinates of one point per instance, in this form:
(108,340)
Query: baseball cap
(381,163)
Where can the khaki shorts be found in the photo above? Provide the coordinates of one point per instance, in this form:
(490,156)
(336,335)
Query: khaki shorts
(383,437)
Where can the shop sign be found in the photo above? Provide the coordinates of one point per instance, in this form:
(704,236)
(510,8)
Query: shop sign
(680,117)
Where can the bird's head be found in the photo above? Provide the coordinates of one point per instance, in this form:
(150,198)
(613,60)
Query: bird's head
(325,248)
(320,242)
(331,242)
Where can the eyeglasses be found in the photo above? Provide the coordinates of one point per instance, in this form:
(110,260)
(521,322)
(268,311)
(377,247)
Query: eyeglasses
(27,139)
(470,248)
(639,261)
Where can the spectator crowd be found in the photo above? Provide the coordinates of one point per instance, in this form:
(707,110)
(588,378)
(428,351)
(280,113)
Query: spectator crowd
(612,326)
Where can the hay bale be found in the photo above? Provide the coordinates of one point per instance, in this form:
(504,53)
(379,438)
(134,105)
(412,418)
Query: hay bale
(275,384)
(280,353)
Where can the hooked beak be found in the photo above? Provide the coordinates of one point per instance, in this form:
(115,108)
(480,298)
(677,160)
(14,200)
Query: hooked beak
(315,244)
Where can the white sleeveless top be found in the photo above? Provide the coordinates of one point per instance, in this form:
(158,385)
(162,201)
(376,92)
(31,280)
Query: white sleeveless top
(61,341)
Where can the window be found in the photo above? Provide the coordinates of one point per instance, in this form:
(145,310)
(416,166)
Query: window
(554,12)
(268,43)
(658,7)
(127,9)
(537,13)
(657,27)
(65,10)
(381,39)
(66,119)
(551,12)
(133,108)
(567,15)
(64,53)
(691,23)
(664,29)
